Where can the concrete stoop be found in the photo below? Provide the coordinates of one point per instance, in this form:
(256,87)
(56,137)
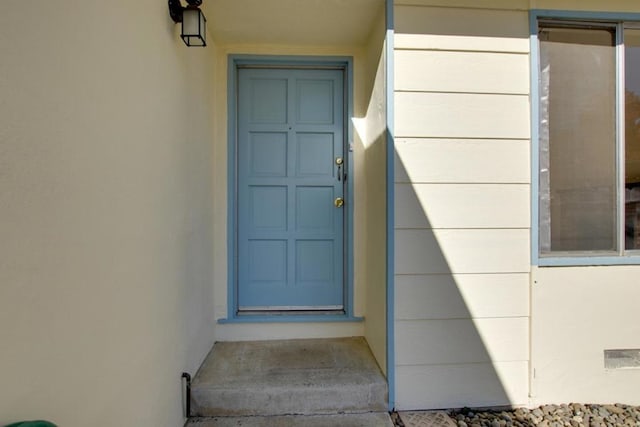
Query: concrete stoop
(372,419)
(262,383)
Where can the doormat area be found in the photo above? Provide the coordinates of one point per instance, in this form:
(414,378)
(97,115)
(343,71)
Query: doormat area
(426,419)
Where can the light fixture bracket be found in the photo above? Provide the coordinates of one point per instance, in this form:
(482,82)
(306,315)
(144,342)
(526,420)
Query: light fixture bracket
(175,10)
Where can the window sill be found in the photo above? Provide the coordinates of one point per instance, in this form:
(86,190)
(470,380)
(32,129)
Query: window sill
(568,261)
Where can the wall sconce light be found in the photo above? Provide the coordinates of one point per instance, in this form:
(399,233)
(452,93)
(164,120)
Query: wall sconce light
(194,24)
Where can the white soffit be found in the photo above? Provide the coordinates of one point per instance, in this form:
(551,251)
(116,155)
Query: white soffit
(286,22)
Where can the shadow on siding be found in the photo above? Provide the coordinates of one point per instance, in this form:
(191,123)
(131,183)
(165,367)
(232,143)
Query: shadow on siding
(446,355)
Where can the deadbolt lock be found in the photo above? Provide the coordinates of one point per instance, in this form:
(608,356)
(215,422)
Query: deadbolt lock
(339,161)
(339,202)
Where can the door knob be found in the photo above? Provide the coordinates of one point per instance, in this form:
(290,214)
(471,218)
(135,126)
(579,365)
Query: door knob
(339,201)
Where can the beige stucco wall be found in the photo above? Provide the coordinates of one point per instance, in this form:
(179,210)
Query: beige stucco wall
(578,312)
(471,316)
(373,137)
(105,212)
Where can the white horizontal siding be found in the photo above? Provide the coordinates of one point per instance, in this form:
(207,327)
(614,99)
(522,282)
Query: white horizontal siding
(471,72)
(462,161)
(462,206)
(588,5)
(461,251)
(467,341)
(461,29)
(458,296)
(461,115)
(525,5)
(461,43)
(492,4)
(455,386)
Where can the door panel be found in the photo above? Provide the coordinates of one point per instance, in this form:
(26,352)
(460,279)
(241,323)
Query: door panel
(290,234)
(314,209)
(312,151)
(267,154)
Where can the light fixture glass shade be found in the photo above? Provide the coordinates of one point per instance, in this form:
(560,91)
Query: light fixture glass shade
(194,27)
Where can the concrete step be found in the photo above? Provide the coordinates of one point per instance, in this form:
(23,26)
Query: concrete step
(380,419)
(287,377)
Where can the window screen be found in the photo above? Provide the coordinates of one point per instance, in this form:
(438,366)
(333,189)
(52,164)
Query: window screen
(577,178)
(632,138)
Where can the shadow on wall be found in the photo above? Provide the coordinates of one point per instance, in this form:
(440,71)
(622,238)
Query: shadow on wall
(460,338)
(450,347)
(461,207)
(443,320)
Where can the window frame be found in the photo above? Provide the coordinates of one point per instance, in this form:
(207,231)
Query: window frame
(621,256)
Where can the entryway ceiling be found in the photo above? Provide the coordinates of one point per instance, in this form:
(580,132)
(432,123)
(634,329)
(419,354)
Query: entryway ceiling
(285,22)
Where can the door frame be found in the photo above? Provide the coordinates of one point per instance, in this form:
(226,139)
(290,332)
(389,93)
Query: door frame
(311,62)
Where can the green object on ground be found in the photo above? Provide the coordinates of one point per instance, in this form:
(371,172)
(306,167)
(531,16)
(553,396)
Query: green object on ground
(37,423)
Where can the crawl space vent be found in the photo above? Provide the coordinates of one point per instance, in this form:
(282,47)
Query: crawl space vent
(622,359)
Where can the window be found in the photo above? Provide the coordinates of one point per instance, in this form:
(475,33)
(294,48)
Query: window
(588,138)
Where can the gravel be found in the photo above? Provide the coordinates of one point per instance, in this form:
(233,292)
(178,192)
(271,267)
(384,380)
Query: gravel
(571,415)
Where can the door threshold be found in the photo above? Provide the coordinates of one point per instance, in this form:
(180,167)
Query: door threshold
(290,317)
(300,312)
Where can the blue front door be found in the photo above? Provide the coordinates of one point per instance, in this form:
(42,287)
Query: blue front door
(290,184)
